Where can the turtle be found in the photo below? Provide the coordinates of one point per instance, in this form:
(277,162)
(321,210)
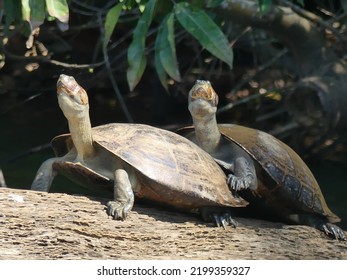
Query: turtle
(261,168)
(152,163)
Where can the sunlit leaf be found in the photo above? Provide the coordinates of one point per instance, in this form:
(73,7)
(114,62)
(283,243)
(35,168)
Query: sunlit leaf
(111,21)
(60,10)
(165,47)
(264,5)
(136,52)
(25,10)
(205,30)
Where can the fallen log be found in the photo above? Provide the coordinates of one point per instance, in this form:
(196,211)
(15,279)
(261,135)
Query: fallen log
(37,225)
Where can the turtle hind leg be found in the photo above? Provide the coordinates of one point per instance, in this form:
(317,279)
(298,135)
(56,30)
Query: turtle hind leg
(220,216)
(321,223)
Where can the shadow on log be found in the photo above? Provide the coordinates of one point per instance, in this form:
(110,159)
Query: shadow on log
(38,225)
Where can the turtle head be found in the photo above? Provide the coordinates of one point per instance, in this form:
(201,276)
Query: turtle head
(72,98)
(203,100)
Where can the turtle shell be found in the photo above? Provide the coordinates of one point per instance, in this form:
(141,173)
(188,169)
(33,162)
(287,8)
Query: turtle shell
(284,176)
(170,168)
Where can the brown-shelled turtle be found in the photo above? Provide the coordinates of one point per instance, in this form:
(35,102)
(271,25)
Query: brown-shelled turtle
(275,177)
(153,163)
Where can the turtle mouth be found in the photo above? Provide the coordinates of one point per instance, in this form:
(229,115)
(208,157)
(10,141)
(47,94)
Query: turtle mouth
(202,90)
(67,86)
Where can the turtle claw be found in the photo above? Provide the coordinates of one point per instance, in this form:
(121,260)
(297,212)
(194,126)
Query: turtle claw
(333,230)
(238,183)
(216,220)
(117,210)
(224,220)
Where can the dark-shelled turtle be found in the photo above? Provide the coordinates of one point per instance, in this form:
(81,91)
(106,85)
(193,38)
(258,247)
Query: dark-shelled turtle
(153,163)
(273,174)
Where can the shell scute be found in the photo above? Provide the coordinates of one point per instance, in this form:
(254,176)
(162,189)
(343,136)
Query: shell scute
(293,186)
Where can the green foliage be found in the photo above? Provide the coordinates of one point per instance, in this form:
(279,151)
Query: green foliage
(137,50)
(35,12)
(203,28)
(26,10)
(264,5)
(165,51)
(111,21)
(191,17)
(58,9)
(12,10)
(195,21)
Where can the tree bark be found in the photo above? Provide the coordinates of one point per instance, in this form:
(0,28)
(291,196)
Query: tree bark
(38,225)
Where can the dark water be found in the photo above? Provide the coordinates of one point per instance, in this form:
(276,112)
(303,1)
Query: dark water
(25,130)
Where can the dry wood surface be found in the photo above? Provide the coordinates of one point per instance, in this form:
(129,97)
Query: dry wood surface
(36,225)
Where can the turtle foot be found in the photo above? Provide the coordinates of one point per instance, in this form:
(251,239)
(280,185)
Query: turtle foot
(224,220)
(221,217)
(239,183)
(333,230)
(117,210)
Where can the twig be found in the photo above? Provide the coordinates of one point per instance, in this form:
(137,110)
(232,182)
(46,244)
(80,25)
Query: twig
(285,128)
(110,75)
(270,115)
(45,59)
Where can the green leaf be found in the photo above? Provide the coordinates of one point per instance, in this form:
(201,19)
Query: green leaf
(205,30)
(160,70)
(34,12)
(12,11)
(136,52)
(264,5)
(25,10)
(165,47)
(38,12)
(302,3)
(111,21)
(58,9)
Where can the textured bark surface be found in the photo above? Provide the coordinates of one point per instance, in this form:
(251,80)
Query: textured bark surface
(37,225)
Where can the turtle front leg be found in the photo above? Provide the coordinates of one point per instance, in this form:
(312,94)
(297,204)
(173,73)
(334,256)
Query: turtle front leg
(244,175)
(123,196)
(44,176)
